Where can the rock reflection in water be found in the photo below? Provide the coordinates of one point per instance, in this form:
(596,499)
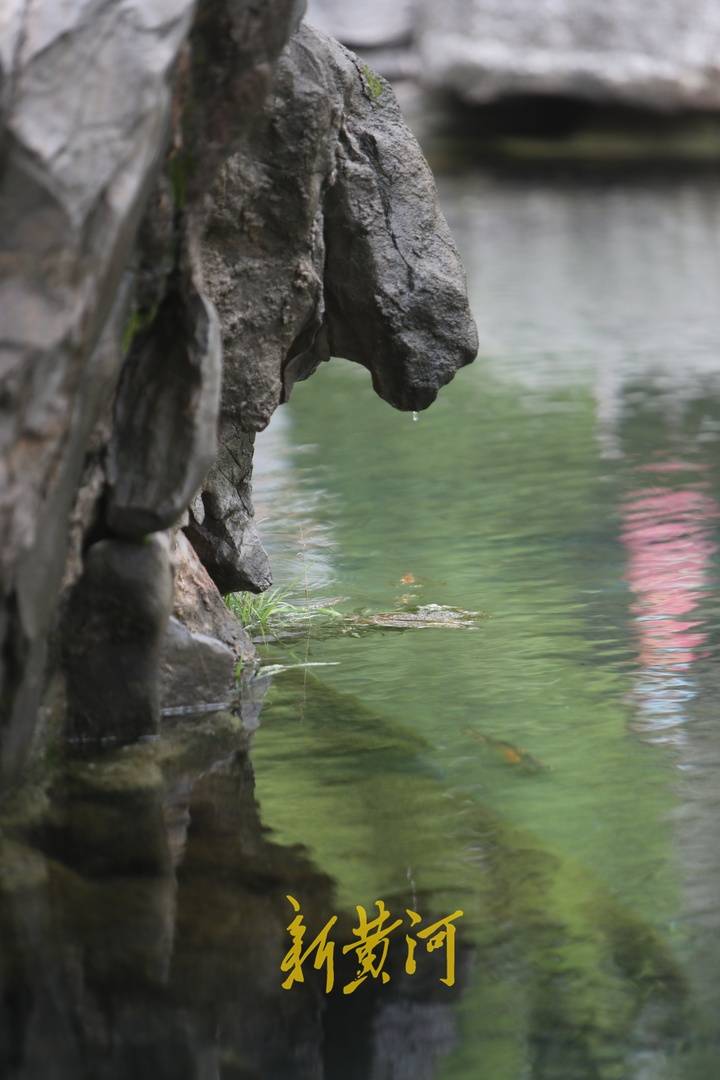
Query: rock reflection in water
(559,979)
(143,922)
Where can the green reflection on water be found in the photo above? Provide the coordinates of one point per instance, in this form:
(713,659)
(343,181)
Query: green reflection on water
(535,673)
(510,496)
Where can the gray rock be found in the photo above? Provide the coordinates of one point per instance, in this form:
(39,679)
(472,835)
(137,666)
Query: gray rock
(196,671)
(108,112)
(84,105)
(117,616)
(199,605)
(664,56)
(221,529)
(324,238)
(348,255)
(165,432)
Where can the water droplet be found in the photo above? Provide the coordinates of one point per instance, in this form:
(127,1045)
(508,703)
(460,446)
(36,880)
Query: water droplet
(415,417)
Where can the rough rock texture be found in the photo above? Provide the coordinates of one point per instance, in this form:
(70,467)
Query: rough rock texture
(196,671)
(108,112)
(117,616)
(663,55)
(168,400)
(325,239)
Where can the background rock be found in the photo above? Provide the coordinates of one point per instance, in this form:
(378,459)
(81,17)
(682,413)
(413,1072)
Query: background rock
(661,57)
(364,26)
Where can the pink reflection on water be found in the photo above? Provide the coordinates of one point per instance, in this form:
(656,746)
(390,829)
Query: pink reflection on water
(666,535)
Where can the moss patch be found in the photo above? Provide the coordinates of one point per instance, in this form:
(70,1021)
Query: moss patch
(373,83)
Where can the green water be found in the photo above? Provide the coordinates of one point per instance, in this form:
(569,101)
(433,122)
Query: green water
(565,487)
(552,771)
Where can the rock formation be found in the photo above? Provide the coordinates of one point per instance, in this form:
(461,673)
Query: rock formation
(107,113)
(155,218)
(324,239)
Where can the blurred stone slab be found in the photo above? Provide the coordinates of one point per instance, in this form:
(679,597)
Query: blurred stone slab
(364,26)
(661,56)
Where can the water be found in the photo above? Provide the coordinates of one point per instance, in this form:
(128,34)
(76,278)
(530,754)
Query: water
(567,487)
(553,771)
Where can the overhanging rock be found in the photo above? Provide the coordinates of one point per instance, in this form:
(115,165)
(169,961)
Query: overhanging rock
(325,239)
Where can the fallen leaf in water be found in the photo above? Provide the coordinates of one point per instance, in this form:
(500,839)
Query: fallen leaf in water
(513,755)
(408,579)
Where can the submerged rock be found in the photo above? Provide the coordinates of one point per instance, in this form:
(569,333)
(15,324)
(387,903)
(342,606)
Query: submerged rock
(325,238)
(426,617)
(196,671)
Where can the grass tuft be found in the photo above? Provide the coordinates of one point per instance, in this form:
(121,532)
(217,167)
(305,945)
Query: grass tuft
(274,611)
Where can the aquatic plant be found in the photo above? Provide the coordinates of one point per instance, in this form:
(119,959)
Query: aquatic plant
(276,611)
